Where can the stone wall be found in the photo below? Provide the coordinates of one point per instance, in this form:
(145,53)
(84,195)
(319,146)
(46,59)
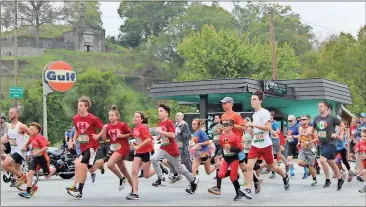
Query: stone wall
(47,43)
(22,51)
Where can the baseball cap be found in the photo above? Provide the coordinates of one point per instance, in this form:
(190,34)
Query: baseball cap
(363,115)
(291,117)
(227,100)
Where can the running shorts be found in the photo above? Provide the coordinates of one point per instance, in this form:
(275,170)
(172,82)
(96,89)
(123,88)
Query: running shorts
(307,155)
(41,162)
(88,157)
(17,158)
(329,151)
(291,149)
(145,157)
(266,153)
(276,145)
(7,148)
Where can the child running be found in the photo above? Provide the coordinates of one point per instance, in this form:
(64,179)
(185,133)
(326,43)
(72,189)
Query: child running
(360,149)
(40,158)
(231,146)
(118,132)
(199,149)
(144,148)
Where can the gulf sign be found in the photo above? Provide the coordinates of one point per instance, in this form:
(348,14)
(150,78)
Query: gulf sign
(60,76)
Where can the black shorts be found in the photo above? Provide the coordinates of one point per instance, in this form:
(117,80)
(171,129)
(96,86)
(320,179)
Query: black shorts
(329,151)
(17,158)
(88,157)
(217,150)
(291,149)
(40,163)
(145,157)
(7,148)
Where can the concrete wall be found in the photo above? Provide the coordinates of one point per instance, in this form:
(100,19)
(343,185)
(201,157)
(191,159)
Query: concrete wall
(47,43)
(22,51)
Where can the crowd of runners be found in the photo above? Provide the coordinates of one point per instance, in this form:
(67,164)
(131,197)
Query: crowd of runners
(240,147)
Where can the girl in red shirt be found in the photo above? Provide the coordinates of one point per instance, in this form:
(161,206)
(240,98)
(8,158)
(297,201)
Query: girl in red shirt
(144,148)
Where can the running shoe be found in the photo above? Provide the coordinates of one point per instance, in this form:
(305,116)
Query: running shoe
(257,186)
(327,184)
(305,175)
(214,190)
(25,194)
(362,190)
(273,175)
(340,184)
(359,178)
(132,196)
(13,182)
(314,183)
(163,168)
(122,183)
(75,194)
(247,194)
(286,182)
(72,188)
(93,175)
(239,196)
(318,170)
(141,174)
(193,186)
(175,178)
(350,176)
(159,182)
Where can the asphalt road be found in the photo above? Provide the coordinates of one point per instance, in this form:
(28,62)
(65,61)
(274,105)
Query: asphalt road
(104,192)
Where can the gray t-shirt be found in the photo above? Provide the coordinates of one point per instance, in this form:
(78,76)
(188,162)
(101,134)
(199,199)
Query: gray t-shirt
(325,127)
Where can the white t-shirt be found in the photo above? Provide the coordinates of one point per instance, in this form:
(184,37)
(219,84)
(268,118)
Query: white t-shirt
(261,138)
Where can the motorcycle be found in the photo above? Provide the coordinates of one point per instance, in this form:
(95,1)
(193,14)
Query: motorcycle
(63,162)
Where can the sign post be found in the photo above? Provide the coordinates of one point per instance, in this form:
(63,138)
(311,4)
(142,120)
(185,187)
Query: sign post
(57,76)
(274,88)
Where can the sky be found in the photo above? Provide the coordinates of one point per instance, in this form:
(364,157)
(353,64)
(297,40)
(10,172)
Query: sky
(326,18)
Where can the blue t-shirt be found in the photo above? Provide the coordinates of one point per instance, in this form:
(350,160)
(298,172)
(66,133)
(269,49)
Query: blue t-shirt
(294,130)
(341,144)
(202,137)
(72,133)
(275,125)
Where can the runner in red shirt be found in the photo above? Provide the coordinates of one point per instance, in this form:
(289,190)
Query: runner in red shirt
(40,158)
(360,149)
(144,148)
(86,125)
(169,150)
(118,133)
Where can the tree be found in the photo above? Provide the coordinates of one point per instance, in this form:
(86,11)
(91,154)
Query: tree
(93,15)
(210,54)
(143,19)
(7,15)
(254,19)
(36,13)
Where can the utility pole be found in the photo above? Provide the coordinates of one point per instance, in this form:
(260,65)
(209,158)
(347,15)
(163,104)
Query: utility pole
(273,45)
(15,48)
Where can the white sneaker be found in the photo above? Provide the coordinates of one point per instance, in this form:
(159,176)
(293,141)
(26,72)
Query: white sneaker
(122,183)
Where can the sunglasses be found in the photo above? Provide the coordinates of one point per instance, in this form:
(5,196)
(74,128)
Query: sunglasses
(290,120)
(226,124)
(303,119)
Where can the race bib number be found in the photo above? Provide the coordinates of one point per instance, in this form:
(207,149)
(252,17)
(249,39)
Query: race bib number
(363,156)
(83,138)
(13,142)
(36,150)
(115,147)
(228,153)
(258,137)
(180,144)
(322,134)
(164,141)
(138,141)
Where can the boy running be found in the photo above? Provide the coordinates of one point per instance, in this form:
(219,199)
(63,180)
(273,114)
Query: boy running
(360,149)
(40,158)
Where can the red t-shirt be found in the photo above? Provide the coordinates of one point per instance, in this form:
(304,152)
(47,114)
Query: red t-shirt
(112,132)
(38,142)
(360,148)
(86,126)
(141,133)
(168,144)
(234,141)
(237,120)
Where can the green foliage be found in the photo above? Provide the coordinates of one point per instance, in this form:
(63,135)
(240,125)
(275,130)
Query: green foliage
(210,54)
(93,16)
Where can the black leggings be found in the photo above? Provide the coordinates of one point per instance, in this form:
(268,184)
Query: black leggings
(343,153)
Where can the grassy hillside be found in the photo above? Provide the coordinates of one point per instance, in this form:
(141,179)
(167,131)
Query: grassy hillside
(46,31)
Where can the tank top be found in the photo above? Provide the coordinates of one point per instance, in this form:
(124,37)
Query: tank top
(341,144)
(16,140)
